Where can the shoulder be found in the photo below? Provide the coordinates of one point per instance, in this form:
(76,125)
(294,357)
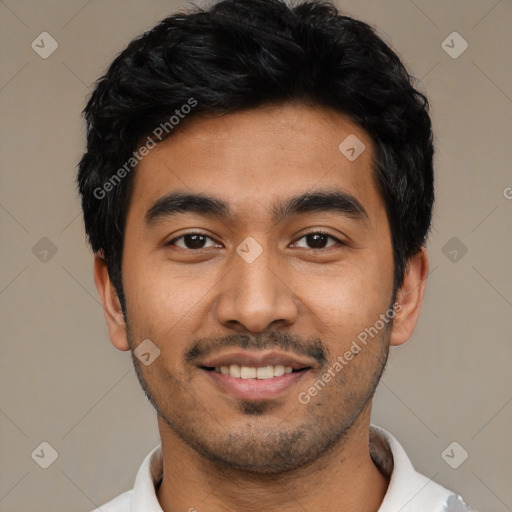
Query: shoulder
(143,495)
(408,491)
(121,503)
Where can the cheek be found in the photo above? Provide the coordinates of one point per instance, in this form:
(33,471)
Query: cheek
(166,306)
(352,301)
(159,294)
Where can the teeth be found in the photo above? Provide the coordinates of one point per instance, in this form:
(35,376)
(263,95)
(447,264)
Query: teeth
(235,371)
(265,372)
(278,370)
(249,372)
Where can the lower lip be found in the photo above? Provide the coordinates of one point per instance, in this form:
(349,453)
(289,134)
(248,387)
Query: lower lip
(255,389)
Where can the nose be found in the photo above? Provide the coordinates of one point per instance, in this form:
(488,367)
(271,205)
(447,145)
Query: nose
(255,296)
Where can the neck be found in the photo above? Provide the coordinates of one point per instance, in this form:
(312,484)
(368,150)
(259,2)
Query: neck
(343,479)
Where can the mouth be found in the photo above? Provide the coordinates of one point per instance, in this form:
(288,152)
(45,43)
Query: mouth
(250,372)
(255,376)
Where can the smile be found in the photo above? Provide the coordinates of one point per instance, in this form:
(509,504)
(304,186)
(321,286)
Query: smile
(248,372)
(255,375)
(254,383)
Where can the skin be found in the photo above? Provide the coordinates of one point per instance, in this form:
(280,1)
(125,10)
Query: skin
(222,453)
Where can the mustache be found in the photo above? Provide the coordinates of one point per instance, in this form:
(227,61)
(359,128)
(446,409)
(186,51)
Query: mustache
(284,341)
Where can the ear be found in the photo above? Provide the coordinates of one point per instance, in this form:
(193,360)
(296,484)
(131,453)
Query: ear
(410,298)
(111,304)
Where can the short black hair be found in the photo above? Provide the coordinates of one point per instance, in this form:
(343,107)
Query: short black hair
(242,54)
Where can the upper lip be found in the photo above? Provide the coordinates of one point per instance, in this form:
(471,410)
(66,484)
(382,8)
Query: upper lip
(257,359)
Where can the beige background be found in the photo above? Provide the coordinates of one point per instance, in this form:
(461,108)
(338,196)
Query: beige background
(64,384)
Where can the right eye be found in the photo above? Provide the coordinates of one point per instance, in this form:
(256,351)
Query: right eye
(191,241)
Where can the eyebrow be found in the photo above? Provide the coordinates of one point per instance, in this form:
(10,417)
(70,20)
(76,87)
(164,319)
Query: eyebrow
(321,200)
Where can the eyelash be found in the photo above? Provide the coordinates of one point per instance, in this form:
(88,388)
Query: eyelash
(315,232)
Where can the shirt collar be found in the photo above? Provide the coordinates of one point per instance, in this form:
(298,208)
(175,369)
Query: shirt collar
(148,478)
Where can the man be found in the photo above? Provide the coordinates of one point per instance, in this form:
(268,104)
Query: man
(257,189)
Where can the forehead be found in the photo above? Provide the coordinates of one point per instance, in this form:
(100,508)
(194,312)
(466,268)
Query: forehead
(248,158)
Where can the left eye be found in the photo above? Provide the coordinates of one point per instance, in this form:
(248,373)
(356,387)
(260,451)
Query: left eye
(318,238)
(196,241)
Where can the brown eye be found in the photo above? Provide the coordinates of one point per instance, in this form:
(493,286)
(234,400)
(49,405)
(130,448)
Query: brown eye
(191,241)
(318,240)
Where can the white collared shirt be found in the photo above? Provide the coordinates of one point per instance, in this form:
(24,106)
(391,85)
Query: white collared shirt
(408,491)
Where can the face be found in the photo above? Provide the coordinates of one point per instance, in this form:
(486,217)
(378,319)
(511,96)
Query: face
(276,277)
